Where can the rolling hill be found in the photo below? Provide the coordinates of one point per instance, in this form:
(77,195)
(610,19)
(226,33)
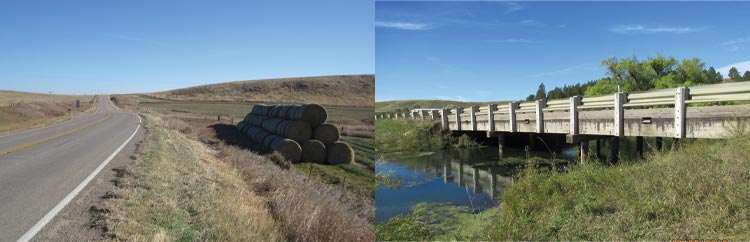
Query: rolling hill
(342,90)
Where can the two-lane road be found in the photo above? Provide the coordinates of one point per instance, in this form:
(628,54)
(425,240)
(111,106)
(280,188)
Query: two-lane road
(41,170)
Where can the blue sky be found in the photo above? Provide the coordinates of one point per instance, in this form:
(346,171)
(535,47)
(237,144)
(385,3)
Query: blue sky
(141,46)
(480,51)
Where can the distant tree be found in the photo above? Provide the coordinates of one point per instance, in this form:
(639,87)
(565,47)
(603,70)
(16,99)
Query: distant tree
(530,97)
(712,76)
(746,76)
(541,93)
(734,74)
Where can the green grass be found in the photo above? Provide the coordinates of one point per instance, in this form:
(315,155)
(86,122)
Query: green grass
(359,179)
(240,109)
(435,221)
(415,136)
(701,191)
(364,150)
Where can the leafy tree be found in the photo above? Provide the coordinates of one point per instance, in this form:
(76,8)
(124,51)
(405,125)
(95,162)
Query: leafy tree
(713,77)
(541,93)
(746,76)
(734,74)
(530,97)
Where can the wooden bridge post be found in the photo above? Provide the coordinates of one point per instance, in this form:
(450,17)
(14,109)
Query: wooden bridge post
(584,147)
(491,116)
(512,106)
(681,94)
(540,104)
(620,99)
(639,146)
(444,118)
(614,149)
(575,101)
(659,144)
(500,144)
(459,110)
(473,111)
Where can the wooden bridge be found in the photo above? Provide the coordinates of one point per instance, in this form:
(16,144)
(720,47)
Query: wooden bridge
(693,112)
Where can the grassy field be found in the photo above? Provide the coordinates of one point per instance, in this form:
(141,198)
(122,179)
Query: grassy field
(700,191)
(22,110)
(180,189)
(415,136)
(398,105)
(357,178)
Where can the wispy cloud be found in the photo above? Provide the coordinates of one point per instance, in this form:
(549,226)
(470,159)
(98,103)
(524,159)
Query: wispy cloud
(455,98)
(742,67)
(736,44)
(516,41)
(402,25)
(642,29)
(513,7)
(537,23)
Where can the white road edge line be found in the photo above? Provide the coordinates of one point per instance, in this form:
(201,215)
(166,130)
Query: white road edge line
(52,213)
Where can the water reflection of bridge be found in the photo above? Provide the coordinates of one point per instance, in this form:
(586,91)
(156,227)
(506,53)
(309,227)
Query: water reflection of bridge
(485,180)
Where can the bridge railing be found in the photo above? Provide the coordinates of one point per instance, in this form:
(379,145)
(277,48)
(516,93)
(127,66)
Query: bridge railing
(627,110)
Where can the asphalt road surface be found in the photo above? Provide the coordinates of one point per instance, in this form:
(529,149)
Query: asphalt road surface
(42,170)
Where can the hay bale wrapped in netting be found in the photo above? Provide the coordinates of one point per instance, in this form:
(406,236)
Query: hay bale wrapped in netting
(297,130)
(326,133)
(288,148)
(254,120)
(262,110)
(339,153)
(314,151)
(242,126)
(313,114)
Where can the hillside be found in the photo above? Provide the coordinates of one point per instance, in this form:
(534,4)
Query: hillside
(391,106)
(343,90)
(25,110)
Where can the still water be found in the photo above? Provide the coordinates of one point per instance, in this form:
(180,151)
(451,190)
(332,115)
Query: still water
(455,176)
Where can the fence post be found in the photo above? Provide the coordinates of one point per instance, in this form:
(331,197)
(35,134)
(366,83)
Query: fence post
(512,106)
(491,116)
(444,118)
(620,99)
(459,110)
(473,117)
(575,101)
(540,105)
(681,94)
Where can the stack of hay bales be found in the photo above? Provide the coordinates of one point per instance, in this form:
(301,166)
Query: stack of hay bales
(298,132)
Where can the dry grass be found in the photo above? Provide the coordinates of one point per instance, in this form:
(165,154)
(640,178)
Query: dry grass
(22,110)
(307,209)
(348,90)
(299,208)
(176,190)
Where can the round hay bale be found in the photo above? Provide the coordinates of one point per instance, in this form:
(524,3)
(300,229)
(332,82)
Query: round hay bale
(313,151)
(261,109)
(241,126)
(326,133)
(339,153)
(313,114)
(255,120)
(297,130)
(288,148)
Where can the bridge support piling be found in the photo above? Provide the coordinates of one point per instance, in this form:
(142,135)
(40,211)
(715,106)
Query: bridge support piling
(639,146)
(598,148)
(659,144)
(500,144)
(532,141)
(614,149)
(584,147)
